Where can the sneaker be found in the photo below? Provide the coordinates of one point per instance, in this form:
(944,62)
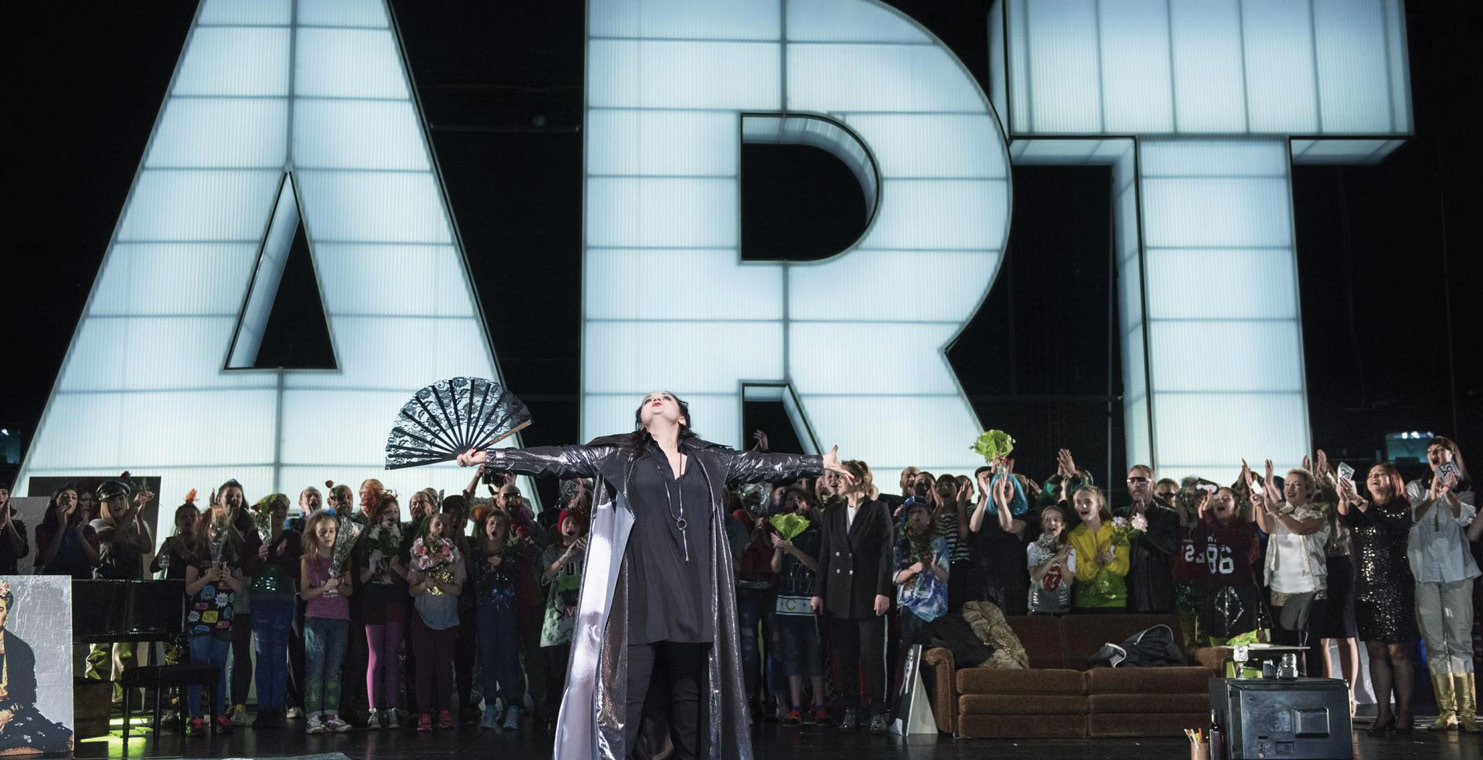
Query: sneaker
(821,716)
(445,720)
(223,724)
(239,715)
(424,723)
(316,726)
(878,722)
(373,723)
(491,717)
(294,713)
(512,719)
(392,718)
(847,723)
(793,718)
(335,725)
(197,727)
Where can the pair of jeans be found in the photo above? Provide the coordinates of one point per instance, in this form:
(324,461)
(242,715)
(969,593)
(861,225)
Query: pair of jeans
(685,668)
(754,607)
(499,654)
(272,621)
(853,641)
(324,651)
(434,650)
(383,664)
(207,648)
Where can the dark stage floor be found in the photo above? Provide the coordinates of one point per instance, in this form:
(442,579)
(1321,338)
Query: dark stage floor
(772,742)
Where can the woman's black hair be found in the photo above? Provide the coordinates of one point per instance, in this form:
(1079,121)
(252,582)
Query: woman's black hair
(635,443)
(50,523)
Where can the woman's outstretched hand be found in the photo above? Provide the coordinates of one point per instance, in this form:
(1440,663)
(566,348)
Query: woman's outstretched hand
(831,464)
(471,457)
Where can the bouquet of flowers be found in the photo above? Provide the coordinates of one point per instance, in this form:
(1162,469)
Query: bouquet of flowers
(435,560)
(1125,530)
(386,539)
(993,445)
(262,516)
(345,538)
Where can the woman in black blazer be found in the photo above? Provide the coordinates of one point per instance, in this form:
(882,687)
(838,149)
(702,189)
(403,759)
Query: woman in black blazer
(853,588)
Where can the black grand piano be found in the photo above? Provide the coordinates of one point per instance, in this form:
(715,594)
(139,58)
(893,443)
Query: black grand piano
(108,612)
(105,612)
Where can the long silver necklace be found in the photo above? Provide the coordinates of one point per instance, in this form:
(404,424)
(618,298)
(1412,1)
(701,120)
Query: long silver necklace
(669,500)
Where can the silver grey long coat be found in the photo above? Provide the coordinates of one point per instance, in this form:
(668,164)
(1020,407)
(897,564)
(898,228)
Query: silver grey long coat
(593,707)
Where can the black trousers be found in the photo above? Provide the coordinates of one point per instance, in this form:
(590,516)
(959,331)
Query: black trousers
(684,667)
(858,644)
(241,660)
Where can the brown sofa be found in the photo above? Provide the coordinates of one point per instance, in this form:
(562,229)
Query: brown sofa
(1058,696)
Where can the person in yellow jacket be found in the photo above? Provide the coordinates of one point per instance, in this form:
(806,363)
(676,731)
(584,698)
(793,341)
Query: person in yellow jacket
(1101,562)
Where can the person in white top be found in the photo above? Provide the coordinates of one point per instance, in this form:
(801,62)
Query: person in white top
(1297,570)
(1443,511)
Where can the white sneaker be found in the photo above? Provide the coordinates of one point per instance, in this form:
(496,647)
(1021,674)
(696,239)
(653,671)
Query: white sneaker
(391,719)
(294,713)
(316,726)
(372,722)
(336,725)
(239,715)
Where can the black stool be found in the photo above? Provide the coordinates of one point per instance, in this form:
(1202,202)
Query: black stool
(160,677)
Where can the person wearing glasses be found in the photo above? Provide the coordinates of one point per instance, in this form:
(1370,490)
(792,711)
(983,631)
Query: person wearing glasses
(1151,573)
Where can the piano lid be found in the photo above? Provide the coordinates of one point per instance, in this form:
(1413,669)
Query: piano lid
(116,611)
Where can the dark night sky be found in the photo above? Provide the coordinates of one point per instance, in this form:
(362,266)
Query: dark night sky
(1389,317)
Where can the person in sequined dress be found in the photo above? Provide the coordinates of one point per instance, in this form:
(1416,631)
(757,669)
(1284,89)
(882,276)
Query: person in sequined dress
(1385,590)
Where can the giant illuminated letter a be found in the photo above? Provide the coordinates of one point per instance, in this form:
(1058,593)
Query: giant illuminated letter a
(1201,107)
(279,114)
(673,89)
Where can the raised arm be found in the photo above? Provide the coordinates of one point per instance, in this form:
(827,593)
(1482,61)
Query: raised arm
(555,461)
(763,467)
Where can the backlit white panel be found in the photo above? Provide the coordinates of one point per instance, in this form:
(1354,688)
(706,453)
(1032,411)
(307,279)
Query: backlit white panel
(683,19)
(661,217)
(199,205)
(340,63)
(358,134)
(1203,67)
(179,279)
(848,21)
(367,13)
(1354,83)
(144,387)
(1207,66)
(236,60)
(1220,233)
(718,287)
(669,143)
(1136,76)
(220,133)
(1282,92)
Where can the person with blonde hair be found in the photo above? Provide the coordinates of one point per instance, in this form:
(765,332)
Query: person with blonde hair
(1444,515)
(1102,560)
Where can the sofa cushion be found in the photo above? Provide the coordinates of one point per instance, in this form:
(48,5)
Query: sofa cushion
(1021,704)
(1148,703)
(1048,681)
(1189,679)
(1041,637)
(1083,635)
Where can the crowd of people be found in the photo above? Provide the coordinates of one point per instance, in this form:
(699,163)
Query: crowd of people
(361,614)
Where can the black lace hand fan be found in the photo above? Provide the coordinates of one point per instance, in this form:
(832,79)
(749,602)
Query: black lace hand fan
(450,417)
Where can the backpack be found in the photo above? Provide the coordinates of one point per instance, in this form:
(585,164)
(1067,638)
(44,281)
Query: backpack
(1153,647)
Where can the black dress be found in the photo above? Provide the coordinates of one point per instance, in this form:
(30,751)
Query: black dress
(1385,590)
(27,727)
